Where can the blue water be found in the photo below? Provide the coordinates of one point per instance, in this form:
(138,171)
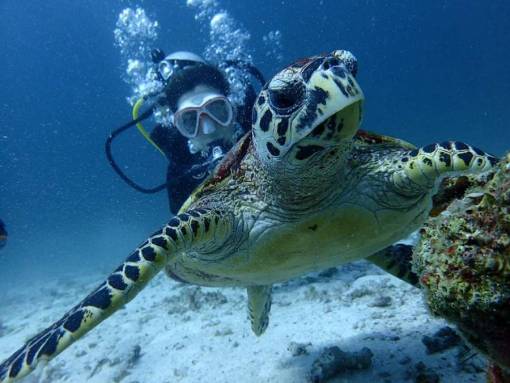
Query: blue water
(430,71)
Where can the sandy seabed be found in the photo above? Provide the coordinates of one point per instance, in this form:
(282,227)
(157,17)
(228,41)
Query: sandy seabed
(172,332)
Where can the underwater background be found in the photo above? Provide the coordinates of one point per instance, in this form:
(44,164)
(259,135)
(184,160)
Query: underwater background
(430,71)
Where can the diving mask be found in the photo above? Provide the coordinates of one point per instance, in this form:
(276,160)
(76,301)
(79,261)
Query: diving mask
(203,110)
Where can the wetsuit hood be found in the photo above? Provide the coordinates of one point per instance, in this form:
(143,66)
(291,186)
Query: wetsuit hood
(191,77)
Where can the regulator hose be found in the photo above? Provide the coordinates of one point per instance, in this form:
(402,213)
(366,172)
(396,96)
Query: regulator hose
(108,148)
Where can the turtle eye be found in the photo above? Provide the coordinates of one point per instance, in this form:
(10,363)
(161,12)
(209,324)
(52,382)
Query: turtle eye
(287,97)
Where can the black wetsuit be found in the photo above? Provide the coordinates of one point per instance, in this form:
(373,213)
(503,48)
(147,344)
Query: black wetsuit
(181,178)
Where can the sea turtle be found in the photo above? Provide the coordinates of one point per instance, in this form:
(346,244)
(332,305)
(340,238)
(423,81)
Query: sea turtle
(302,192)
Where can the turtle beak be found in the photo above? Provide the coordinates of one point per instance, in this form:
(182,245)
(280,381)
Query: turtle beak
(339,99)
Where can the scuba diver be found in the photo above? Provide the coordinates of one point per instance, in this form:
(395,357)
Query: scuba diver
(198,123)
(3,234)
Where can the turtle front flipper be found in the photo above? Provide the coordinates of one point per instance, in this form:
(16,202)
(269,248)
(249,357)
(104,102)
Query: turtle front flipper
(420,169)
(196,227)
(259,305)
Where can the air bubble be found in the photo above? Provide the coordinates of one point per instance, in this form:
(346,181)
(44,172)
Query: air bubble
(273,45)
(227,42)
(135,35)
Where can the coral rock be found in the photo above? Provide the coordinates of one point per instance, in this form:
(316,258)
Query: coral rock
(463,260)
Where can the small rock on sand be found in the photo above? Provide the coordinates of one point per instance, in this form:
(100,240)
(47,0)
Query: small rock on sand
(334,361)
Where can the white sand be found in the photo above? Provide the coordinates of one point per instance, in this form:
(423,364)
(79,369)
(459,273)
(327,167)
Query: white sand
(190,334)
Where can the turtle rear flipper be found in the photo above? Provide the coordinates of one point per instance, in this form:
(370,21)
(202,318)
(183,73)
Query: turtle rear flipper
(259,305)
(396,260)
(182,232)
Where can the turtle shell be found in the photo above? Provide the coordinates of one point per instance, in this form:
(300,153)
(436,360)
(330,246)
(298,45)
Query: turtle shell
(370,138)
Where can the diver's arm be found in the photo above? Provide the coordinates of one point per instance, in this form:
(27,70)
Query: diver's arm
(253,70)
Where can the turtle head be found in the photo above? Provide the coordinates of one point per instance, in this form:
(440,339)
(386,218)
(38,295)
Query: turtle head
(308,111)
